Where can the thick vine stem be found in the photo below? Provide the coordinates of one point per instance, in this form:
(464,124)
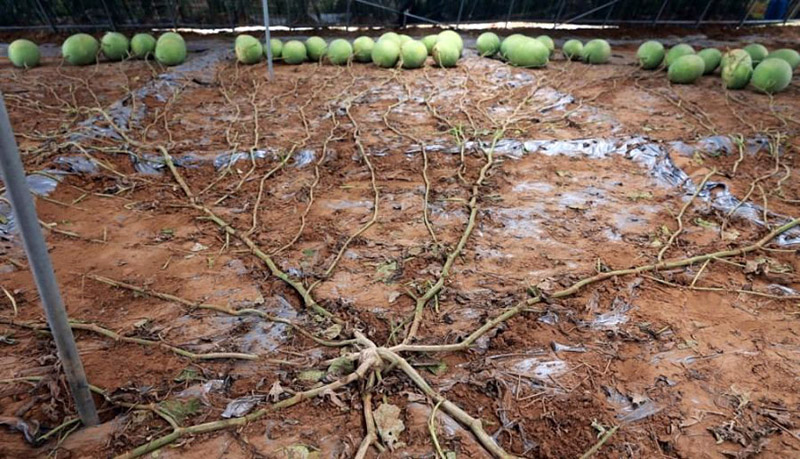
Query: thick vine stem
(221,309)
(526,305)
(94,328)
(369,360)
(474,424)
(451,258)
(679,218)
(305,294)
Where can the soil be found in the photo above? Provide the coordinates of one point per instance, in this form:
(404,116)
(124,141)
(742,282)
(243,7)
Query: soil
(683,372)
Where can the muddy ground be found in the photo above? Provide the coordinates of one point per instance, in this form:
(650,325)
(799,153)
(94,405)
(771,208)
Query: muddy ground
(567,172)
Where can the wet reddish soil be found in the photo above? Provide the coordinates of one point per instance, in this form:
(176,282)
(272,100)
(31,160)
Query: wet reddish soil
(698,361)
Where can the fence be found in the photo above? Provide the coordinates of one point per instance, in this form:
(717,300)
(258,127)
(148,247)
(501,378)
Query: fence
(113,14)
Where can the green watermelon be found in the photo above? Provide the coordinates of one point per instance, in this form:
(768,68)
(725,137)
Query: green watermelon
(650,54)
(24,53)
(528,53)
(791,56)
(757,52)
(340,51)
(316,48)
(772,75)
(114,46)
(248,49)
(488,44)
(712,57)
(294,52)
(686,69)
(548,43)
(362,49)
(276,46)
(445,53)
(385,53)
(413,54)
(596,52)
(677,51)
(170,50)
(572,50)
(143,45)
(737,68)
(429,41)
(80,49)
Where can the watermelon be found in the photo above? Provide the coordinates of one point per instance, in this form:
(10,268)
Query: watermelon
(362,49)
(572,50)
(757,52)
(445,53)
(294,52)
(596,52)
(80,49)
(413,54)
(677,51)
(772,75)
(528,53)
(712,57)
(686,69)
(488,44)
(143,45)
(248,49)
(339,52)
(650,54)
(385,53)
(114,46)
(737,68)
(24,53)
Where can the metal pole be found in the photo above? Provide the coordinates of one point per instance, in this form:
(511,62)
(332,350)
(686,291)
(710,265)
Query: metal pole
(460,9)
(790,12)
(508,16)
(424,19)
(660,11)
(47,16)
(110,17)
(347,28)
(608,15)
(561,5)
(747,12)
(268,44)
(591,11)
(705,12)
(39,260)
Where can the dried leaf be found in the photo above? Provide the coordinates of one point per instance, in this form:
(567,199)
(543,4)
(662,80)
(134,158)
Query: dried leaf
(241,406)
(276,391)
(311,375)
(387,419)
(180,410)
(341,367)
(332,332)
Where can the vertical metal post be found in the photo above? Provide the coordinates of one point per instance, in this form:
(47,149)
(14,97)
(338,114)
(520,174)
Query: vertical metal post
(747,11)
(703,15)
(46,16)
(110,17)
(561,5)
(608,15)
(347,28)
(39,260)
(790,12)
(660,11)
(174,13)
(460,9)
(508,16)
(268,44)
